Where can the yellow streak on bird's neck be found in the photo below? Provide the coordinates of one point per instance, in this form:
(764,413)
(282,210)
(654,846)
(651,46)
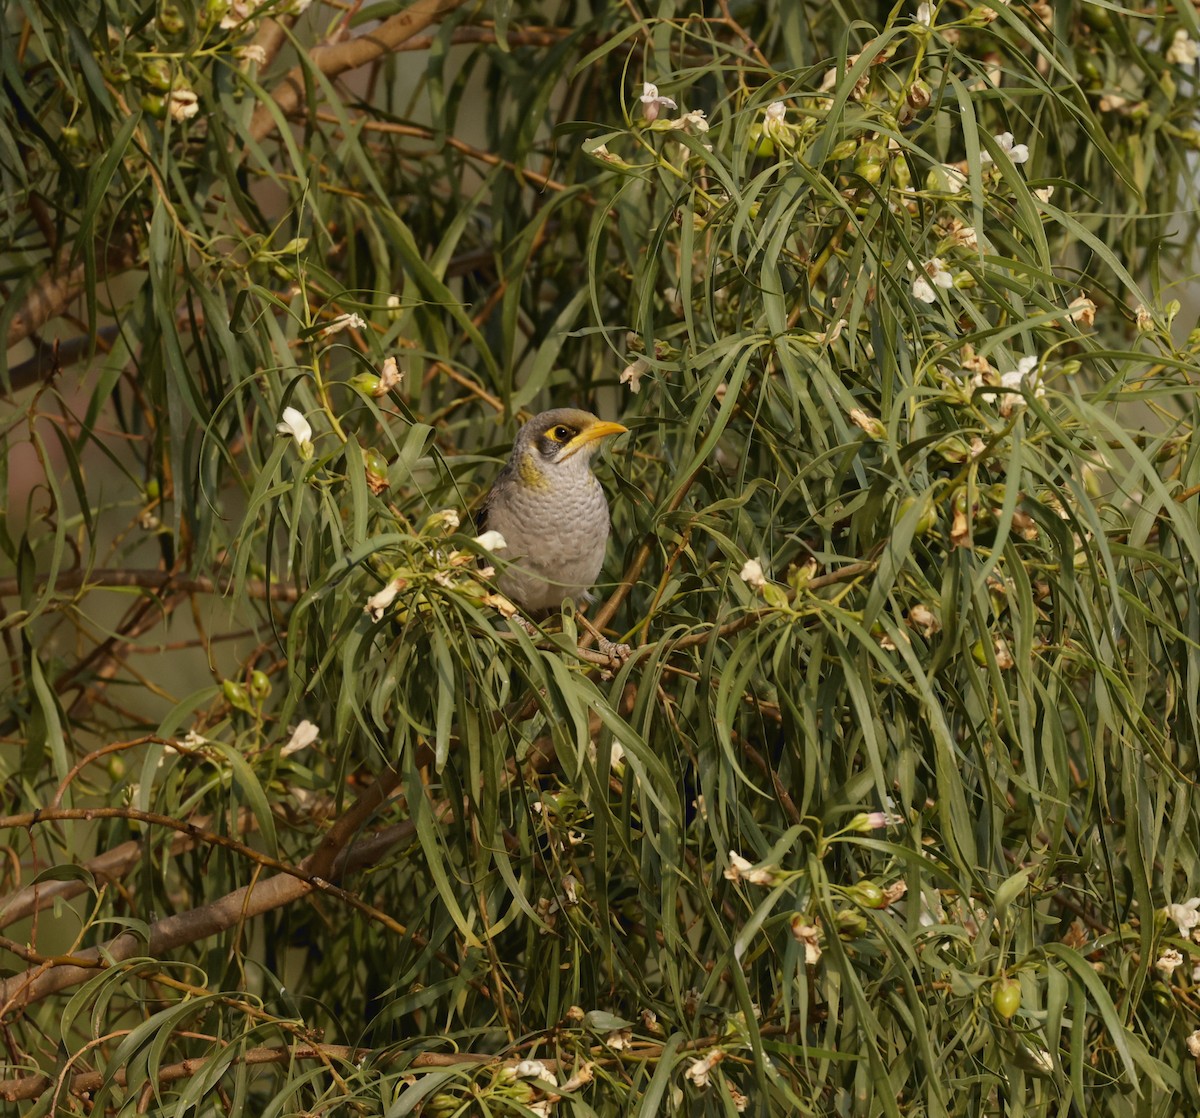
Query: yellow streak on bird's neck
(530,474)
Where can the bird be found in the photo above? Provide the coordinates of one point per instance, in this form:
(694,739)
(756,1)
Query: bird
(551,510)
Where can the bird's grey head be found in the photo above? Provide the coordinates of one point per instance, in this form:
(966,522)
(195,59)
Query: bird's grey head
(555,437)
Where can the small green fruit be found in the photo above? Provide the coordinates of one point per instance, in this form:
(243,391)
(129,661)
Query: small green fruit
(236,696)
(1006,997)
(866,893)
(260,685)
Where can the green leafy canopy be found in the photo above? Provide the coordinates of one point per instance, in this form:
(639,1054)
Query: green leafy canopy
(890,809)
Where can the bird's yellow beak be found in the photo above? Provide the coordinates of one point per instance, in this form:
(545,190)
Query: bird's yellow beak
(599,430)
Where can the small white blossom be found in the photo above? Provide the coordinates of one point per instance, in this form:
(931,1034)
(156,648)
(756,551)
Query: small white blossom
(950,179)
(1082,310)
(294,424)
(923,618)
(182,104)
(1044,193)
(925,14)
(752,574)
(491,540)
(1025,375)
(810,936)
(774,119)
(1041,1059)
(253,53)
(1145,320)
(694,122)
(936,274)
(831,335)
(389,376)
(1018,153)
(1168,961)
(742,870)
(619,1039)
(302,737)
(698,1070)
(1184,50)
(870,425)
(533,1069)
(343,322)
(378,603)
(652,103)
(962,235)
(633,372)
(1185,915)
(444,520)
(1193,1043)
(239,11)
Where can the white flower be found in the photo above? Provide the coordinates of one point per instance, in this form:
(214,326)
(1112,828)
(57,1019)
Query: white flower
(1193,1043)
(633,372)
(302,737)
(533,1069)
(1025,375)
(694,122)
(1018,153)
(1041,1059)
(698,1070)
(740,869)
(378,603)
(1185,915)
(652,103)
(924,619)
(296,425)
(950,179)
(619,1039)
(831,335)
(962,235)
(1083,311)
(343,322)
(1145,320)
(491,540)
(1044,194)
(1183,50)
(810,936)
(868,424)
(774,118)
(1168,961)
(925,14)
(752,574)
(239,11)
(936,274)
(444,520)
(182,104)
(389,377)
(253,53)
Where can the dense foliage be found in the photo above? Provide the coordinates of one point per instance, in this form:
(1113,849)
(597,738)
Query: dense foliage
(891,809)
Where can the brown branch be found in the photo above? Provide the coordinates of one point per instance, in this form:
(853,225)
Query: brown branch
(32,1086)
(114,578)
(199,923)
(336,58)
(418,133)
(61,284)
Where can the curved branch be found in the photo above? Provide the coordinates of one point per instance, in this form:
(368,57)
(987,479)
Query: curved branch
(337,58)
(199,923)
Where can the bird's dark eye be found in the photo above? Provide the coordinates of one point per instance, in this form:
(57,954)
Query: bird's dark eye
(562,434)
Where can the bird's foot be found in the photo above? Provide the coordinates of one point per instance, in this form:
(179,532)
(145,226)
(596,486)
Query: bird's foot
(614,651)
(530,628)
